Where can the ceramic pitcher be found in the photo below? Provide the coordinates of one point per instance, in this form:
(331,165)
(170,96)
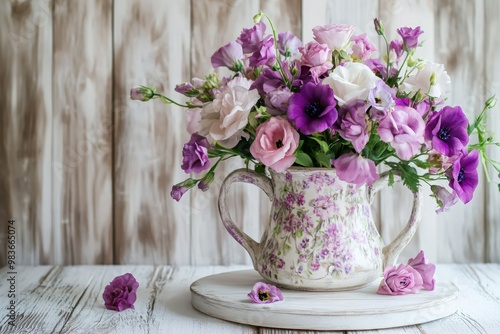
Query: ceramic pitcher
(321,234)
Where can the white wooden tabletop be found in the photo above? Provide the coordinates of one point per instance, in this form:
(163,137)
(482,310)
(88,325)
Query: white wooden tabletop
(69,300)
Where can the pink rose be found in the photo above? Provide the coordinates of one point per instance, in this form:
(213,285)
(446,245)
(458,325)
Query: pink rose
(400,280)
(275,143)
(404,130)
(353,168)
(317,57)
(335,36)
(362,47)
(426,270)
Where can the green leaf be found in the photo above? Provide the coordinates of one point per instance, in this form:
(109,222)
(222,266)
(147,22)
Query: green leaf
(322,144)
(409,176)
(304,160)
(391,178)
(322,159)
(299,233)
(260,168)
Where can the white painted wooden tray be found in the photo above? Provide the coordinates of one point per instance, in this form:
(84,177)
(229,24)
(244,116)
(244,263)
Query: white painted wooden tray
(224,296)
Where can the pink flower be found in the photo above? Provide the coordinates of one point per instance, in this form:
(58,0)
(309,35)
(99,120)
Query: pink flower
(400,280)
(275,143)
(317,57)
(288,43)
(335,36)
(404,130)
(353,168)
(120,294)
(230,56)
(362,47)
(426,270)
(263,293)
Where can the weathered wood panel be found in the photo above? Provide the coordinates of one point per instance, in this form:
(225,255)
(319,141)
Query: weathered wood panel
(492,86)
(81,226)
(25,123)
(151,47)
(459,38)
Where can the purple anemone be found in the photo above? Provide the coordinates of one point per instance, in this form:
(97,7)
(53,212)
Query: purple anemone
(312,109)
(447,130)
(463,175)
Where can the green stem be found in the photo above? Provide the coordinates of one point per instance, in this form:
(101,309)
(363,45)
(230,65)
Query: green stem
(168,100)
(278,56)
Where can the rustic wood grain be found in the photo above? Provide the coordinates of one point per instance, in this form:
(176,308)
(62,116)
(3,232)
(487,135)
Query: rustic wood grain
(81,133)
(25,123)
(492,86)
(215,24)
(460,47)
(151,47)
(396,201)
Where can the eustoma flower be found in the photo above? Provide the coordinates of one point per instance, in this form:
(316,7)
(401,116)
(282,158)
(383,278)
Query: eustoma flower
(400,280)
(351,124)
(230,56)
(353,168)
(120,294)
(410,36)
(426,270)
(335,36)
(195,154)
(463,175)
(275,142)
(263,293)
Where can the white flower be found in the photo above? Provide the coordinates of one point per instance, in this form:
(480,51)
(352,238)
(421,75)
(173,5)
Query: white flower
(351,82)
(421,80)
(335,36)
(224,118)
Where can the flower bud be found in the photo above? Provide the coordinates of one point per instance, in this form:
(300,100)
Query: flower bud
(411,61)
(187,89)
(379,27)
(491,102)
(180,189)
(257,17)
(142,93)
(206,181)
(433,79)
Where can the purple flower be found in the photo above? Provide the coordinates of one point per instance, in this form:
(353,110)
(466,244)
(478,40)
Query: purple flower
(120,294)
(142,93)
(381,100)
(380,68)
(317,57)
(362,47)
(230,56)
(397,47)
(444,198)
(187,89)
(263,293)
(351,124)
(404,130)
(277,101)
(400,280)
(422,107)
(288,44)
(250,38)
(410,36)
(180,189)
(265,54)
(463,175)
(353,168)
(426,270)
(379,27)
(312,109)
(195,154)
(447,130)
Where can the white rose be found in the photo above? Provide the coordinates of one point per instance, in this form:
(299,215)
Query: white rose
(351,82)
(335,36)
(224,118)
(421,80)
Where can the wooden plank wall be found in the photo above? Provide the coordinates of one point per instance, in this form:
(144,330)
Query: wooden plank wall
(86,173)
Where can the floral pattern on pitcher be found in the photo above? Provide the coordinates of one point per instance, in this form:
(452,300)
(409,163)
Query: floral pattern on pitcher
(320,228)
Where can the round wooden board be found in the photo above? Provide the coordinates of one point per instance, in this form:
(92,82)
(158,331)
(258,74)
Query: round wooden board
(224,296)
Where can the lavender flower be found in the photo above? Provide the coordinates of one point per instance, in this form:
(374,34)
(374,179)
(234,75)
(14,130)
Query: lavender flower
(195,154)
(181,188)
(288,44)
(362,47)
(250,38)
(381,100)
(230,56)
(447,130)
(120,294)
(410,36)
(353,168)
(312,109)
(351,124)
(444,198)
(400,280)
(265,54)
(263,293)
(463,175)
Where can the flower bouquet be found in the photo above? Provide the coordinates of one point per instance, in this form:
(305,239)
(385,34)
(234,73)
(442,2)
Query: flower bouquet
(331,103)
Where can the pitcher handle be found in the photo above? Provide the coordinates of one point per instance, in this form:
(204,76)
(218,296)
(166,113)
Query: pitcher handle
(246,176)
(392,250)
